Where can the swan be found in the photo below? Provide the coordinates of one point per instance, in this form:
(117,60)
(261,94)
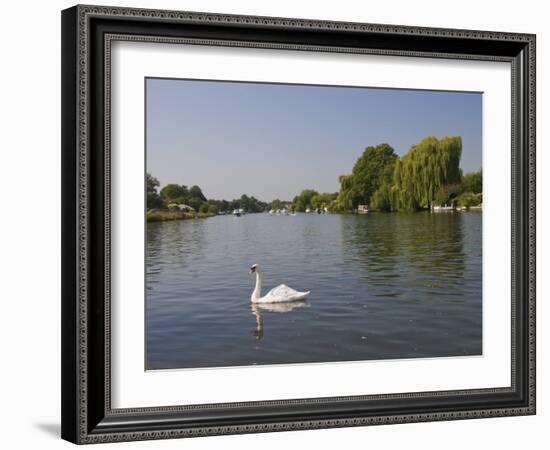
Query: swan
(279,294)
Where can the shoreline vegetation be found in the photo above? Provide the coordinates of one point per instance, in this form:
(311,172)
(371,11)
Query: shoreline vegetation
(427,177)
(159,215)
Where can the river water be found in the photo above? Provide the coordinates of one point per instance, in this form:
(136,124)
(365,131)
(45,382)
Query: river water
(383,286)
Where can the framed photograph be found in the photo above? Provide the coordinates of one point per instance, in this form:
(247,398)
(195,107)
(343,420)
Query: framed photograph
(277,224)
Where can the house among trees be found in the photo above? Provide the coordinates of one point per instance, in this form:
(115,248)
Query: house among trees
(181,207)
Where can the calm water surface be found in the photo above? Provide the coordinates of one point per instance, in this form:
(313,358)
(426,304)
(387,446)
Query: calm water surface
(382,286)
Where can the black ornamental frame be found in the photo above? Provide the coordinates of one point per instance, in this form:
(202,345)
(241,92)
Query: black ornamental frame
(87,34)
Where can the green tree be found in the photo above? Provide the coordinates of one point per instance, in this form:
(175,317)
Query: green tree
(245,203)
(255,205)
(468,199)
(372,169)
(223,205)
(194,203)
(196,193)
(473,182)
(276,204)
(171,192)
(382,198)
(323,200)
(447,193)
(153,199)
(303,201)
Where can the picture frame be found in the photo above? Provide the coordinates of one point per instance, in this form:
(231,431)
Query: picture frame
(87,413)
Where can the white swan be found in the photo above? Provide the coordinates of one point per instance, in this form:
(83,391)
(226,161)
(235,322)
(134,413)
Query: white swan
(279,294)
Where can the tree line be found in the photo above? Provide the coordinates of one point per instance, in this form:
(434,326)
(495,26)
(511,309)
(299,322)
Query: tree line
(428,174)
(193,197)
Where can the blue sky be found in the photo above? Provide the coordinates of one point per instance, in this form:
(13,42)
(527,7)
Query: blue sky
(274,140)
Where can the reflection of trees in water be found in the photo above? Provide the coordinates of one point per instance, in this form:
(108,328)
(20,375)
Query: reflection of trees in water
(423,249)
(371,242)
(172,244)
(373,239)
(259,308)
(436,244)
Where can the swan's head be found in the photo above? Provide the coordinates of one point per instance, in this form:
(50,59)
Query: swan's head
(253,268)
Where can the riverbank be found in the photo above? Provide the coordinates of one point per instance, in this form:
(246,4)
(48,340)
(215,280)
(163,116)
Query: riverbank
(163,216)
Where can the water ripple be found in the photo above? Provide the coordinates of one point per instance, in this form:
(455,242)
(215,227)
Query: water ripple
(383,286)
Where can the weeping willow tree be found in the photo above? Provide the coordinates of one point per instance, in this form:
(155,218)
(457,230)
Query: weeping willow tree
(427,166)
(344,199)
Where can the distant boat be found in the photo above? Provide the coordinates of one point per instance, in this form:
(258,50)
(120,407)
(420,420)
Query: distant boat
(237,212)
(443,208)
(362,209)
(308,210)
(271,211)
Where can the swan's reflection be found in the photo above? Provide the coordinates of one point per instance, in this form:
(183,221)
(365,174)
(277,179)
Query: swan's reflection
(284,307)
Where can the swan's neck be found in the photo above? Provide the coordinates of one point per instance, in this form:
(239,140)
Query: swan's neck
(256,294)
